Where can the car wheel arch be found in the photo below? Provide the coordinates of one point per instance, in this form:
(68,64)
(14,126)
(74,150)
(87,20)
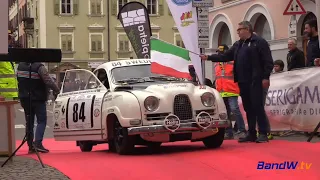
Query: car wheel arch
(110,120)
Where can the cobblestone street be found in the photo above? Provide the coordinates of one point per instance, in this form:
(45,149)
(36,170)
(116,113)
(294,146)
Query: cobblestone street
(28,169)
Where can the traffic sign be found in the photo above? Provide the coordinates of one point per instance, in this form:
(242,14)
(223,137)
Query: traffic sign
(203,33)
(202,3)
(203,27)
(203,23)
(293,28)
(203,44)
(203,14)
(294,7)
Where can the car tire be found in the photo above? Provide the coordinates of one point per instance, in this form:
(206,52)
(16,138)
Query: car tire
(124,144)
(85,146)
(214,141)
(112,147)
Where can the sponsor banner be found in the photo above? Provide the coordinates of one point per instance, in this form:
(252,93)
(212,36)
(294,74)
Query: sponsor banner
(185,17)
(135,20)
(293,100)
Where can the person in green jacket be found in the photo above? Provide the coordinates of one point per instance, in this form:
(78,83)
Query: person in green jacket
(8,80)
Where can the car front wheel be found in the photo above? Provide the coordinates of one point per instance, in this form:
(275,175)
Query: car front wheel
(85,146)
(216,140)
(123,143)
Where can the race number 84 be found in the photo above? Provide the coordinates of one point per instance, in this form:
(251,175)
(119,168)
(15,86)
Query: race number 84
(79,113)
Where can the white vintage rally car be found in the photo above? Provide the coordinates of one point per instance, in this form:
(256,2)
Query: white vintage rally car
(123,104)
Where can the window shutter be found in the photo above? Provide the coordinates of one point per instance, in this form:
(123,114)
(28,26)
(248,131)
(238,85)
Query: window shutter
(63,45)
(75,7)
(114,7)
(99,44)
(121,46)
(99,8)
(93,9)
(93,46)
(160,8)
(56,7)
(69,45)
(126,46)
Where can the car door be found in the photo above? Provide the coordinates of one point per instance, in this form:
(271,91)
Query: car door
(77,108)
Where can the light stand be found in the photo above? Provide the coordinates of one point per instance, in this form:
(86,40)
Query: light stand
(29,126)
(30,56)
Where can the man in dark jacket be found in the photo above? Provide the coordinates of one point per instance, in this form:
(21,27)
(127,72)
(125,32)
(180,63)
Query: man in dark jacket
(38,86)
(252,68)
(295,57)
(313,51)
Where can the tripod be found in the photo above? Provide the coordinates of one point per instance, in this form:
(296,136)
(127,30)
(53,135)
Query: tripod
(30,56)
(29,127)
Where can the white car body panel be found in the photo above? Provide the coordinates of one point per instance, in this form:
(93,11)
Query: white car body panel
(128,107)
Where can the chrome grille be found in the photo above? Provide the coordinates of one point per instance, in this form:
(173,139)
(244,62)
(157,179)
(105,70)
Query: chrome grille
(156,116)
(212,112)
(182,107)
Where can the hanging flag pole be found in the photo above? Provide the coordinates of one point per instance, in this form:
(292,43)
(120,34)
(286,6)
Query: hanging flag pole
(185,18)
(176,46)
(203,26)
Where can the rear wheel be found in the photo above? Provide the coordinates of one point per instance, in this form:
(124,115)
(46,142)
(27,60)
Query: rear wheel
(123,143)
(85,146)
(216,140)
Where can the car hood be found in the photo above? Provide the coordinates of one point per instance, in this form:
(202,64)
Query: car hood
(167,92)
(167,89)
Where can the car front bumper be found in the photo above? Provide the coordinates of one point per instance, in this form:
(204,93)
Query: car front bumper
(183,128)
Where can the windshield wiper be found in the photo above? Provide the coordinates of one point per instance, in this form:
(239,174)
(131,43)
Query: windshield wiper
(135,80)
(165,78)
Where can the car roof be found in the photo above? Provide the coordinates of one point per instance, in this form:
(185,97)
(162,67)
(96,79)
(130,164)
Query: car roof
(123,63)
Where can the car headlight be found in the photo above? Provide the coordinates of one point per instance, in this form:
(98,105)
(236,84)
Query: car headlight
(151,103)
(207,99)
(223,116)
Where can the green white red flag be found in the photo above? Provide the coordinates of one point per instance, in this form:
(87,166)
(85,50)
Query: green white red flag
(168,59)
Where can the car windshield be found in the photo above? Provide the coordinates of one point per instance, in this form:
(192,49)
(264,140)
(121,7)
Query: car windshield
(138,74)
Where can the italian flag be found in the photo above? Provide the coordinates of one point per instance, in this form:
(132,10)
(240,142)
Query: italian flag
(169,60)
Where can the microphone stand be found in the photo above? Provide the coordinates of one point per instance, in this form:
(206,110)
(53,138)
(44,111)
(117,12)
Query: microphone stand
(29,127)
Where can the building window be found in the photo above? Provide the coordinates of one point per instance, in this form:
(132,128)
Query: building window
(155,35)
(66,40)
(123,43)
(178,40)
(152,6)
(96,7)
(121,3)
(96,42)
(262,27)
(224,36)
(66,7)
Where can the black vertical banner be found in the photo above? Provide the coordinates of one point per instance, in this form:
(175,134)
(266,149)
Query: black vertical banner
(134,18)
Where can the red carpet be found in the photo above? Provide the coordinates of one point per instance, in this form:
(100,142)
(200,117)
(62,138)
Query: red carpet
(184,160)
